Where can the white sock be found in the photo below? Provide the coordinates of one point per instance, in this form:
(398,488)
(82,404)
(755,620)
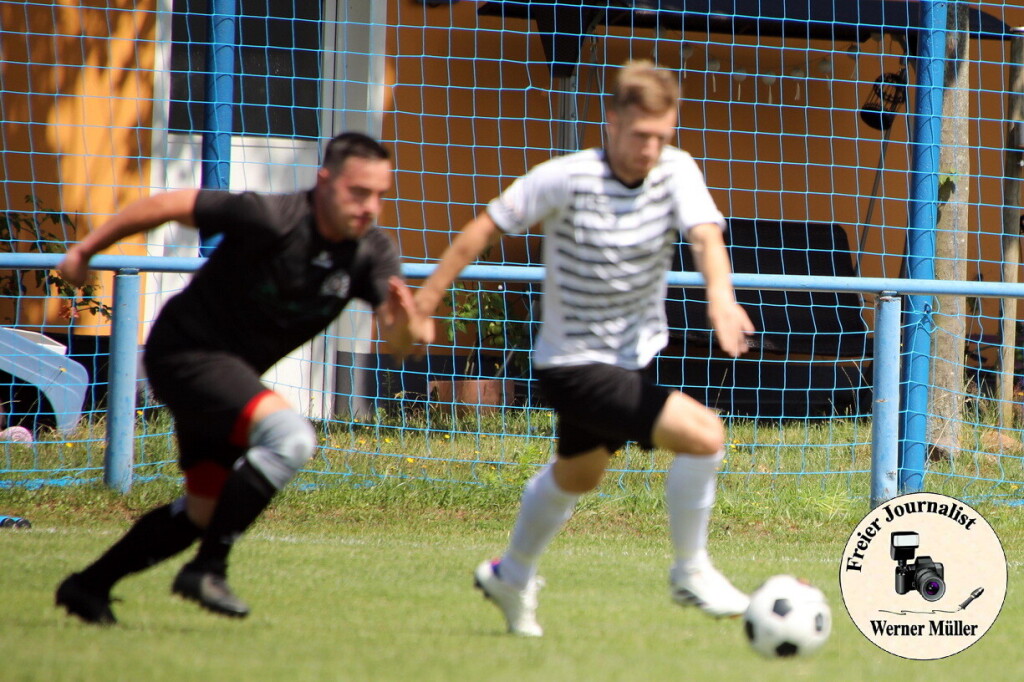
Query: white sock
(690,495)
(544,510)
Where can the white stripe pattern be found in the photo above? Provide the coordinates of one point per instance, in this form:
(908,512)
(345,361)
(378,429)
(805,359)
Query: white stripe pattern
(607,248)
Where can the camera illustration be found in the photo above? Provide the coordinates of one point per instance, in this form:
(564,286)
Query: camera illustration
(923,575)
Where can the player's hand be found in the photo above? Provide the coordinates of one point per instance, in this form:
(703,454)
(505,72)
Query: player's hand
(406,329)
(732,326)
(421,327)
(426,302)
(74,267)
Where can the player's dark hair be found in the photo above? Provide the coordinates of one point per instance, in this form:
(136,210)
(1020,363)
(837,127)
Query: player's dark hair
(346,145)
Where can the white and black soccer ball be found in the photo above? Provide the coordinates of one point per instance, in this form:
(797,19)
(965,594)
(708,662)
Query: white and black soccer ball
(787,617)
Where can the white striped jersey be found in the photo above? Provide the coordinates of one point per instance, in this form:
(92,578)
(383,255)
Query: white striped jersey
(607,249)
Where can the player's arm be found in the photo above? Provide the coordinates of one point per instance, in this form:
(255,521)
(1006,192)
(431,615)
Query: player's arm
(478,234)
(402,326)
(731,324)
(139,216)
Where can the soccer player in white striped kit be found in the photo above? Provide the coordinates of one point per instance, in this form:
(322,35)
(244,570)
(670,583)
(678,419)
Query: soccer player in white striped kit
(611,218)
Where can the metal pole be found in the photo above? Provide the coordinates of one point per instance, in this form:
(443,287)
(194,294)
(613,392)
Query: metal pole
(218,113)
(885,407)
(886,134)
(924,192)
(567,89)
(124,353)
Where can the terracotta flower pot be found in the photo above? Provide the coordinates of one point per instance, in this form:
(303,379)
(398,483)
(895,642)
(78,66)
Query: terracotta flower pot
(470,395)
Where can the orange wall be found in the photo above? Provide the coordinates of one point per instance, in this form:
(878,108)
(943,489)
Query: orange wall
(460,138)
(76,112)
(77,108)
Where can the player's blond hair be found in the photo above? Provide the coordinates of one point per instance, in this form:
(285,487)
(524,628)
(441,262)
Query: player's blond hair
(642,84)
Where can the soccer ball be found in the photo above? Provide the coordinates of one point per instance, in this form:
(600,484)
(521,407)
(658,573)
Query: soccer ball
(787,617)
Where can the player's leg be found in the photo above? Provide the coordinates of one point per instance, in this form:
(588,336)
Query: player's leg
(158,535)
(550,496)
(548,501)
(697,436)
(547,504)
(589,403)
(685,425)
(280,442)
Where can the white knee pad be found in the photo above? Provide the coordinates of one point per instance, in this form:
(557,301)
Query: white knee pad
(279,445)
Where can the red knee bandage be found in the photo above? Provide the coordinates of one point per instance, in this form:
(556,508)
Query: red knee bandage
(206,479)
(240,431)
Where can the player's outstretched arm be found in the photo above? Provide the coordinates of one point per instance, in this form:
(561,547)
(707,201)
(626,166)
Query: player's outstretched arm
(402,326)
(473,240)
(139,216)
(729,320)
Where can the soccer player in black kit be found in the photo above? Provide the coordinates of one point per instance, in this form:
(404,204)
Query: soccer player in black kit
(286,267)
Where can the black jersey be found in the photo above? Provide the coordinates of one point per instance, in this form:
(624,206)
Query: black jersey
(273,283)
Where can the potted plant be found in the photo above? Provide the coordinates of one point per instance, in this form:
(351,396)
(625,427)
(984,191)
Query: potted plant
(28,231)
(498,319)
(42,230)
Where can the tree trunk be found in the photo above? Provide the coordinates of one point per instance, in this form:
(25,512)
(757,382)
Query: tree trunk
(947,381)
(1013,168)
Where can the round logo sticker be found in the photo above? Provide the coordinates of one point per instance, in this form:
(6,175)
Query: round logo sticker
(923,576)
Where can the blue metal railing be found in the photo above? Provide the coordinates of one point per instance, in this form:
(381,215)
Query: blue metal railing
(885,403)
(888,474)
(124,352)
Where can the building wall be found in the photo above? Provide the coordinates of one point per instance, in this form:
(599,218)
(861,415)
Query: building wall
(471,110)
(75,114)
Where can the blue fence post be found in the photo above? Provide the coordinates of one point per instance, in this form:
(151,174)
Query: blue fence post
(219,112)
(885,405)
(923,212)
(124,354)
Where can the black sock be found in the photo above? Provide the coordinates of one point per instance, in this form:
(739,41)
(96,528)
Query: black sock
(245,495)
(156,536)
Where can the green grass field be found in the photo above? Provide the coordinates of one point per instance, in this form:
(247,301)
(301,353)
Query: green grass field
(375,584)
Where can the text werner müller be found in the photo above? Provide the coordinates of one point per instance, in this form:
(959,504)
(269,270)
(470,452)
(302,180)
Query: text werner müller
(935,627)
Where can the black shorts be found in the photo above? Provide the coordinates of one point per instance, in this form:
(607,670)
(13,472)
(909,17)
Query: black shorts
(207,393)
(602,405)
